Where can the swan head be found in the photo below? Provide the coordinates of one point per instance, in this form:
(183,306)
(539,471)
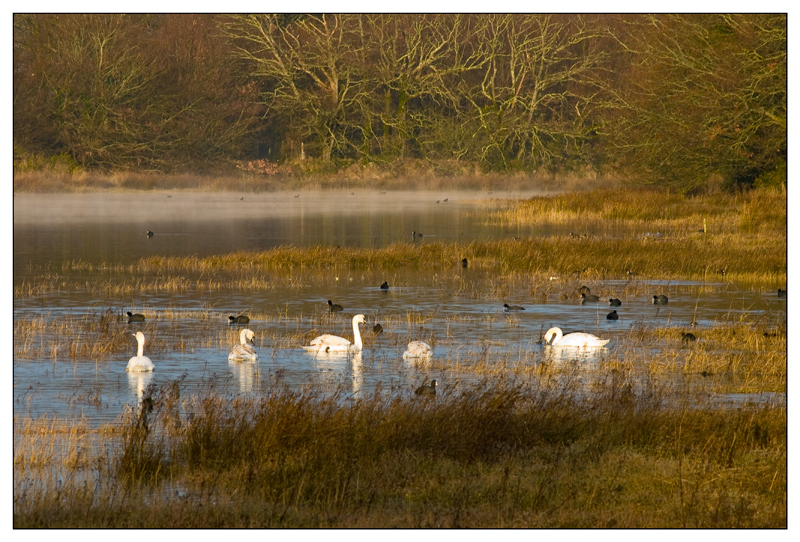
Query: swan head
(550,332)
(139,336)
(247,336)
(359,319)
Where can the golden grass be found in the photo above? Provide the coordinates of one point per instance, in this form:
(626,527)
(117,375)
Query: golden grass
(526,454)
(758,212)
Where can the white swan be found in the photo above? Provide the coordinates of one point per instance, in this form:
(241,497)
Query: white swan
(572,339)
(243,351)
(332,343)
(140,362)
(418,349)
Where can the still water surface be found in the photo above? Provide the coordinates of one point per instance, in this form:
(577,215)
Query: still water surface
(52,229)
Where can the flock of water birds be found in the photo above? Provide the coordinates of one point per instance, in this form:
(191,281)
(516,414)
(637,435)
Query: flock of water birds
(329,344)
(418,351)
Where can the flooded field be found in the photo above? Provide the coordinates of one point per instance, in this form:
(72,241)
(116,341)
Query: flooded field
(459,311)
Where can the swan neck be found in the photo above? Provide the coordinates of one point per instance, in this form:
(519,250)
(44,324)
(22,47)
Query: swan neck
(356,335)
(140,350)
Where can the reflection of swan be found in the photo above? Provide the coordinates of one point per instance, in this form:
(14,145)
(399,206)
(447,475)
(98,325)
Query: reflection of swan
(334,307)
(135,317)
(139,363)
(243,351)
(238,319)
(138,382)
(572,339)
(244,373)
(418,350)
(358,372)
(332,343)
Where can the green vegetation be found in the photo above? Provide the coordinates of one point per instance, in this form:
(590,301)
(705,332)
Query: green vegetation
(682,100)
(500,454)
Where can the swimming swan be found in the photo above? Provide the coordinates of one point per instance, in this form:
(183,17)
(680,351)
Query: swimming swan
(243,351)
(418,349)
(572,339)
(139,363)
(332,343)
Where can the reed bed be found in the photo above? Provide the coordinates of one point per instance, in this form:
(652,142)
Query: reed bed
(548,265)
(512,453)
(759,212)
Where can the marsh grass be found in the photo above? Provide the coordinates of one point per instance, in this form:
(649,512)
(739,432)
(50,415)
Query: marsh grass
(759,212)
(508,453)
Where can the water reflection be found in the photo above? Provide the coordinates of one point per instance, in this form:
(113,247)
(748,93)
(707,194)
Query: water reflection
(138,382)
(244,372)
(563,354)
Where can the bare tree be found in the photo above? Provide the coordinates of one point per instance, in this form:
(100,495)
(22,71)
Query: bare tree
(706,95)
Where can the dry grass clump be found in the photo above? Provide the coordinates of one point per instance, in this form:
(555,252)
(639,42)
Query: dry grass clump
(497,454)
(756,212)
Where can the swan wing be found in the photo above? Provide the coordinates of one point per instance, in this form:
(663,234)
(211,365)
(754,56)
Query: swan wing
(329,342)
(139,364)
(581,340)
(243,351)
(418,349)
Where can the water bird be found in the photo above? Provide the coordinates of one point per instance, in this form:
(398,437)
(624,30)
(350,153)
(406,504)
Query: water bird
(589,298)
(578,340)
(437,201)
(241,199)
(334,307)
(417,350)
(614,302)
(415,235)
(377,329)
(139,363)
(297,196)
(445,199)
(135,317)
(511,308)
(631,273)
(660,300)
(584,289)
(464,263)
(612,315)
(383,192)
(385,286)
(688,338)
(243,351)
(781,293)
(427,391)
(149,233)
(332,343)
(238,319)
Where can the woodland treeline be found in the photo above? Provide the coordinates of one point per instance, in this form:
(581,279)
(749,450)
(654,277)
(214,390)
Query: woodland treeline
(665,99)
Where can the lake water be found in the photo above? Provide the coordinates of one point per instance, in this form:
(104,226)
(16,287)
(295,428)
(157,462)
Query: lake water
(110,228)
